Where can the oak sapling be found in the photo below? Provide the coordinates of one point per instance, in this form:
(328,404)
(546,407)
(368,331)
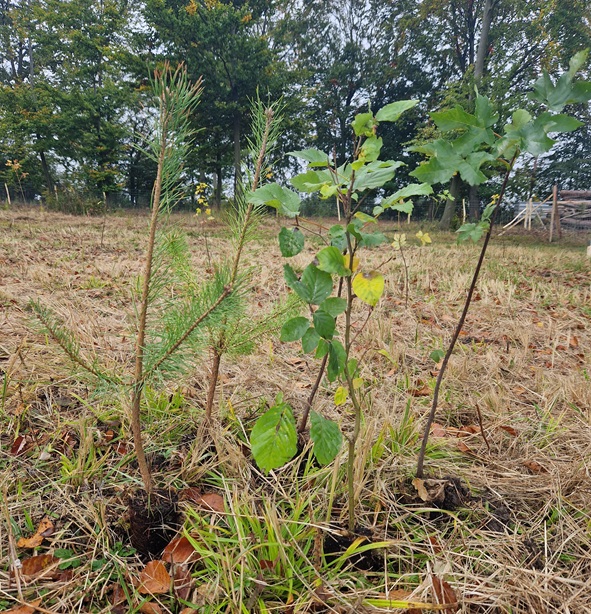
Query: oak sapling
(337,287)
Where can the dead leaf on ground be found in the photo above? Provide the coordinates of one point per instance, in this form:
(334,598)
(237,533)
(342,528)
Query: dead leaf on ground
(430,490)
(28,608)
(179,550)
(470,429)
(40,565)
(462,447)
(437,430)
(420,391)
(183,582)
(534,466)
(509,429)
(45,529)
(435,544)
(19,445)
(150,608)
(209,500)
(154,579)
(117,595)
(445,594)
(121,448)
(420,487)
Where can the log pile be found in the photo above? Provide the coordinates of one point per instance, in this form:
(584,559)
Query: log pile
(571,209)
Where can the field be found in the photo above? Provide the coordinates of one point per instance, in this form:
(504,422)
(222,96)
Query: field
(503,525)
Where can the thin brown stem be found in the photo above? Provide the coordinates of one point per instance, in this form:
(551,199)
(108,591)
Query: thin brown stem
(255,182)
(213,378)
(308,406)
(406,280)
(217,354)
(226,292)
(138,377)
(482,428)
(356,407)
(450,349)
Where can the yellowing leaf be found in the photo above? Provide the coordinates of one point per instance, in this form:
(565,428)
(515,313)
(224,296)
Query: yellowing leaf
(357,383)
(340,395)
(347,261)
(369,287)
(399,241)
(423,237)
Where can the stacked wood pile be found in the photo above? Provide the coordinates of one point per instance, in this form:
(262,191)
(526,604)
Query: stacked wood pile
(570,209)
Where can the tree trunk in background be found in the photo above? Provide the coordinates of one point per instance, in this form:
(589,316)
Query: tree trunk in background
(487,12)
(46,172)
(473,204)
(450,205)
(217,195)
(237,175)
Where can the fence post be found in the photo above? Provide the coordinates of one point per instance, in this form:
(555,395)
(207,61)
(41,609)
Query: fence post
(554,213)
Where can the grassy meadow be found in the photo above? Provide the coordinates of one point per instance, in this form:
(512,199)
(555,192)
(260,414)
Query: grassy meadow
(501,524)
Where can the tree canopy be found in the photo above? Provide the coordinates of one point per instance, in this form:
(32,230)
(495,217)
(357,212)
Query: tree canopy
(74,80)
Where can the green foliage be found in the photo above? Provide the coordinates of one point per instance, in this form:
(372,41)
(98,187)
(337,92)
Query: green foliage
(320,332)
(273,439)
(291,242)
(327,438)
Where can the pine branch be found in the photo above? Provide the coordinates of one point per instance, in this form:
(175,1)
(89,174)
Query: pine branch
(66,340)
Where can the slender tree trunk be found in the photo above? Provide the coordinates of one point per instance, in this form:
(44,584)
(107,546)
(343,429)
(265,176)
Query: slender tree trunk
(46,172)
(487,14)
(217,196)
(482,53)
(473,204)
(237,128)
(450,205)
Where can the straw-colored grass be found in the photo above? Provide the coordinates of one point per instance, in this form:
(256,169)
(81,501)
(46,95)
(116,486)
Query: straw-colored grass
(517,539)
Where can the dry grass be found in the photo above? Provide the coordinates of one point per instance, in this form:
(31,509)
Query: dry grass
(517,541)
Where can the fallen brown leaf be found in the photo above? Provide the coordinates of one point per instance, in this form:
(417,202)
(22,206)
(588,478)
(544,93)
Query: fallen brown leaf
(183,581)
(117,595)
(149,607)
(28,608)
(45,529)
(435,544)
(39,565)
(445,594)
(423,391)
(462,447)
(437,430)
(154,579)
(210,500)
(179,550)
(534,466)
(430,490)
(421,490)
(509,429)
(19,445)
